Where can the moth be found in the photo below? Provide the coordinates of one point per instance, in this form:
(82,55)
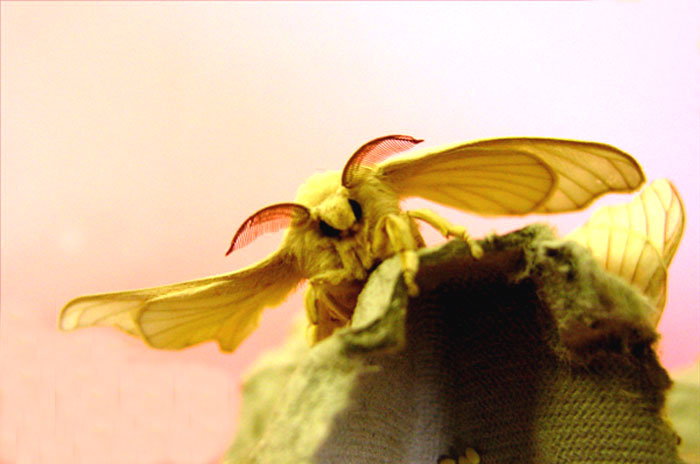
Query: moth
(342,224)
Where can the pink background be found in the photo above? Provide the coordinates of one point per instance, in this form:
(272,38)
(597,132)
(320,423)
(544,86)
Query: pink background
(137,137)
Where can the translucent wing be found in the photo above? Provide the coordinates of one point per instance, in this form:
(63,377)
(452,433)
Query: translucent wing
(224,308)
(490,181)
(515,175)
(585,170)
(637,240)
(631,256)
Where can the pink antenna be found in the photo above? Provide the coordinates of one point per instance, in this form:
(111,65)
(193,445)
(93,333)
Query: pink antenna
(376,151)
(269,219)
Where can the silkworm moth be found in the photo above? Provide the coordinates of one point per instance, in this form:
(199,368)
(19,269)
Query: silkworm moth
(343,224)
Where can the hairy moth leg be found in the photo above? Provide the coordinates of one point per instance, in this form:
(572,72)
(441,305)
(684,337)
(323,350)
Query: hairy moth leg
(328,309)
(447,229)
(355,258)
(334,277)
(312,315)
(410,264)
(393,235)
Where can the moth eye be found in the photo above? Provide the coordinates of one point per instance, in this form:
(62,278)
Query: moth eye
(328,230)
(356,210)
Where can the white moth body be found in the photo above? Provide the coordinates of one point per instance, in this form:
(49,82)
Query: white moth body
(343,224)
(337,265)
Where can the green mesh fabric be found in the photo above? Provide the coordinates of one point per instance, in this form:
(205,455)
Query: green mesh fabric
(531,354)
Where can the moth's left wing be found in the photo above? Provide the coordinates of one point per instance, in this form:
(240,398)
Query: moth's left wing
(223,308)
(514,176)
(638,240)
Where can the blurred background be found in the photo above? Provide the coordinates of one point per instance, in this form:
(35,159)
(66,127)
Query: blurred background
(137,137)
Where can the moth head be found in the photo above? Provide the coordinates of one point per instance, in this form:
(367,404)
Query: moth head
(331,205)
(323,206)
(325,201)
(332,197)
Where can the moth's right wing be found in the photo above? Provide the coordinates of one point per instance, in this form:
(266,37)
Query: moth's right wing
(638,240)
(488,180)
(225,308)
(514,176)
(585,170)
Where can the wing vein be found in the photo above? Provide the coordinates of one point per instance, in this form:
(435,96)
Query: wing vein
(477,194)
(501,183)
(203,316)
(589,170)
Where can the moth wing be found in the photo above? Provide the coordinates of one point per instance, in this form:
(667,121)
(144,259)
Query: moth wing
(656,213)
(628,255)
(514,175)
(225,308)
(667,204)
(108,309)
(637,240)
(484,180)
(585,170)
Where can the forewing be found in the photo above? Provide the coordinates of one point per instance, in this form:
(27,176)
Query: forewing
(484,180)
(224,308)
(637,240)
(585,170)
(109,309)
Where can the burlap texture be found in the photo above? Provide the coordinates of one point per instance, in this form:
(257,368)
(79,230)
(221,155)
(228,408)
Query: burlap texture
(531,354)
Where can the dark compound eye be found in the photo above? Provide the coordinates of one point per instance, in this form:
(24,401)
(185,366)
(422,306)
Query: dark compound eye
(356,210)
(328,230)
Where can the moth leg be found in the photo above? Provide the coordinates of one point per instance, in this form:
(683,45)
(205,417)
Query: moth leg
(365,249)
(312,334)
(447,229)
(325,315)
(327,324)
(410,264)
(312,316)
(335,311)
(333,277)
(310,305)
(351,256)
(392,236)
